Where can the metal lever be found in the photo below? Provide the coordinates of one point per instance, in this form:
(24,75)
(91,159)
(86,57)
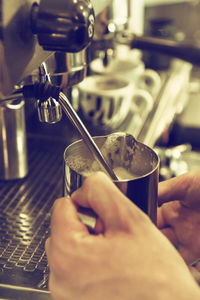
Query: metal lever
(184,51)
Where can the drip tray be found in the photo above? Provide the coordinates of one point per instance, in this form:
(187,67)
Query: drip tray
(25,208)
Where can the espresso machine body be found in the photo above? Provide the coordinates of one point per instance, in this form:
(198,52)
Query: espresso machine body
(39,41)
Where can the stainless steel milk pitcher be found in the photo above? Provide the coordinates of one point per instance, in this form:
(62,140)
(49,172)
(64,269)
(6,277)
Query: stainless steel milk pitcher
(123,153)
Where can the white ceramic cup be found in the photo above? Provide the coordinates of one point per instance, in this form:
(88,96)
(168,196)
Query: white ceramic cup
(132,68)
(105,101)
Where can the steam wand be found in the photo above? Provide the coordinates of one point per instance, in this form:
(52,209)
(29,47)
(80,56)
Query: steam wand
(43,91)
(73,116)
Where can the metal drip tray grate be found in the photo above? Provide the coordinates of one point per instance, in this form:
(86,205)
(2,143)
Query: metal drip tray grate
(25,207)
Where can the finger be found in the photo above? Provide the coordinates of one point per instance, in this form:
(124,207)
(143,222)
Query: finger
(47,246)
(195,271)
(99,227)
(198,266)
(113,208)
(187,254)
(161,221)
(65,219)
(170,234)
(173,189)
(169,213)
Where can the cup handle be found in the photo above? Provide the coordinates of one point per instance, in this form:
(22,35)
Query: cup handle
(150,81)
(142,102)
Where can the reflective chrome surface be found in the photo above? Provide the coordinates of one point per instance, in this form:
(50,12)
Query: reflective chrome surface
(64,69)
(13,154)
(49,111)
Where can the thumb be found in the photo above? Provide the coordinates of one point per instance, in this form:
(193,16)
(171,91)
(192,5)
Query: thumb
(114,209)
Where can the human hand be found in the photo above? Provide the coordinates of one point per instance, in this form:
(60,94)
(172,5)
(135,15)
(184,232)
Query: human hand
(128,258)
(179,216)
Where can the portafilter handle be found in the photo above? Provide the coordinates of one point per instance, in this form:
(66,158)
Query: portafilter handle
(181,50)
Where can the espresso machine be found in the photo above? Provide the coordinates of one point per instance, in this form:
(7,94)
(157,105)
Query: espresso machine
(46,42)
(40,41)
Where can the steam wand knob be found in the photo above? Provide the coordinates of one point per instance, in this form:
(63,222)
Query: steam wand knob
(63,25)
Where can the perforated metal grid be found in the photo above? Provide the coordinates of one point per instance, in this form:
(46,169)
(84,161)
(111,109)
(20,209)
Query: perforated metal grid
(25,207)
